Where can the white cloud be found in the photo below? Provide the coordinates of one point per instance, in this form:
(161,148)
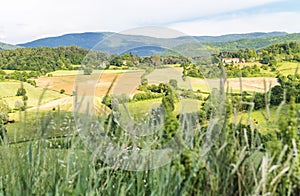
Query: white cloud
(263,22)
(26,20)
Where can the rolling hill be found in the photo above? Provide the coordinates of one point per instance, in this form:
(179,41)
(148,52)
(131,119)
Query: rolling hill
(197,49)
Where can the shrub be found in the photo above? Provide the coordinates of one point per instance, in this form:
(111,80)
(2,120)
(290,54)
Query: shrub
(21,92)
(4,110)
(259,101)
(19,105)
(146,96)
(87,71)
(31,82)
(173,83)
(276,95)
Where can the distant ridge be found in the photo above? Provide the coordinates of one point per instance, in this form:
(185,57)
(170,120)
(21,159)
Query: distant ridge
(83,40)
(4,46)
(215,47)
(235,37)
(142,45)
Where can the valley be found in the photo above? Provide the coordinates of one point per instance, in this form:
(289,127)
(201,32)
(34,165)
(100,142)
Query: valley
(69,104)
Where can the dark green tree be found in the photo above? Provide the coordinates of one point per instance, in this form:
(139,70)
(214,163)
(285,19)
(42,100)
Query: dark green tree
(259,101)
(21,91)
(276,95)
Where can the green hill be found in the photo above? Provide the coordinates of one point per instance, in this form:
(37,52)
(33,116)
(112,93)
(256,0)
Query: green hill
(258,43)
(199,49)
(41,59)
(9,89)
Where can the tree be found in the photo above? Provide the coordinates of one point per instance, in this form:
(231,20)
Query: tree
(144,81)
(21,91)
(156,60)
(171,124)
(115,60)
(62,91)
(31,82)
(87,70)
(4,110)
(276,95)
(259,101)
(168,103)
(107,100)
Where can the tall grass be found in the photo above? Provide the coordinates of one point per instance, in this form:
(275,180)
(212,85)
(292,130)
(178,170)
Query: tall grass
(223,158)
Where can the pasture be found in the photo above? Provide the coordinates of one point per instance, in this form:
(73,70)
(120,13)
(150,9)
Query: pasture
(35,95)
(288,68)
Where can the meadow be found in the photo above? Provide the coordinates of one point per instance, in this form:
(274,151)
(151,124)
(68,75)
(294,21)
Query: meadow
(195,138)
(288,68)
(9,89)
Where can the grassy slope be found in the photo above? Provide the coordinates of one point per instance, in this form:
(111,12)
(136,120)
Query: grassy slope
(136,108)
(198,49)
(286,68)
(9,89)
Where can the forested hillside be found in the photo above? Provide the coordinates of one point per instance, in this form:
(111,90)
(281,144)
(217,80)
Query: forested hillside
(198,49)
(147,46)
(41,59)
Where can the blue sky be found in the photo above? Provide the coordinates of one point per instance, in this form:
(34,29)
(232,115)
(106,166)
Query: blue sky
(22,21)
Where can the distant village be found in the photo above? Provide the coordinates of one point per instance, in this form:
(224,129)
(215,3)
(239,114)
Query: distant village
(233,60)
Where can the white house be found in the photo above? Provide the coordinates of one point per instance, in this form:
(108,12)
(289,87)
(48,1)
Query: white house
(232,60)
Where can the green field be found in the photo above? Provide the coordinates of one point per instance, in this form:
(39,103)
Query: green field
(143,128)
(288,68)
(35,95)
(11,71)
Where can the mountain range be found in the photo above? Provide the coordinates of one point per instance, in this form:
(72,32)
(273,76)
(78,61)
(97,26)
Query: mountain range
(146,45)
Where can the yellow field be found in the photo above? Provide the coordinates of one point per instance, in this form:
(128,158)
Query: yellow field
(288,68)
(97,84)
(248,84)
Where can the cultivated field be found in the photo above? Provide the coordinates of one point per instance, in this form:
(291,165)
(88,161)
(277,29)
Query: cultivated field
(97,84)
(166,74)
(247,84)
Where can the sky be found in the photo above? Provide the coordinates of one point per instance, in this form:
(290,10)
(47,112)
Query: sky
(26,20)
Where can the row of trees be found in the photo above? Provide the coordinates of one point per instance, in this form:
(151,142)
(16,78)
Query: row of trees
(22,76)
(288,89)
(214,71)
(43,60)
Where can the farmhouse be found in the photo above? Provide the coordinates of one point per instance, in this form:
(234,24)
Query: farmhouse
(232,60)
